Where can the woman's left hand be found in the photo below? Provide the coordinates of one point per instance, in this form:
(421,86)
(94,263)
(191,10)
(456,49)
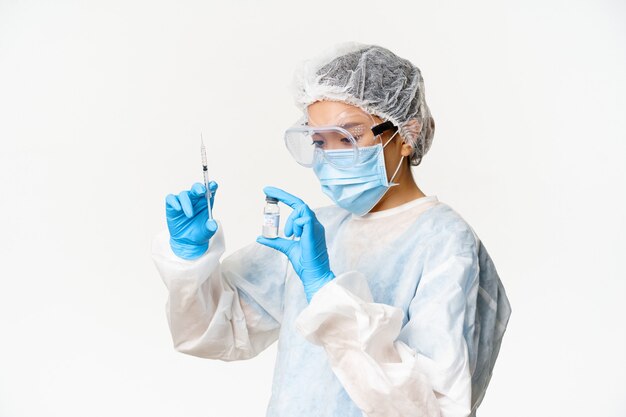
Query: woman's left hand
(308,255)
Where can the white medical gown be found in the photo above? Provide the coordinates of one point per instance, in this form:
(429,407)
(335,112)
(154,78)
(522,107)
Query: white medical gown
(410,326)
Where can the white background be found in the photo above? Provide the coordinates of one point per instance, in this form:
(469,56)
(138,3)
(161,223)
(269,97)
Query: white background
(101,106)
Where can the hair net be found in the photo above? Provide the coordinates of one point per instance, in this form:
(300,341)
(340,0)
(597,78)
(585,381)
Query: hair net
(374,79)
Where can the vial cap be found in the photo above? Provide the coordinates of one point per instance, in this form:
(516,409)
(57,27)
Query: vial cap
(271,200)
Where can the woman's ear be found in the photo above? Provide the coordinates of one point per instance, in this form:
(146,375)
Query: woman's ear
(407,150)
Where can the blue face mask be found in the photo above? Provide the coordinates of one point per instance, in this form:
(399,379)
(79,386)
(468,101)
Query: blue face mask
(358,188)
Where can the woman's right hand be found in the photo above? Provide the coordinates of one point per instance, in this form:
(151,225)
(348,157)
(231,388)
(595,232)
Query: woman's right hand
(188,221)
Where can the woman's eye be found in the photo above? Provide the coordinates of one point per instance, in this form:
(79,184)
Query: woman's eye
(346,141)
(318,143)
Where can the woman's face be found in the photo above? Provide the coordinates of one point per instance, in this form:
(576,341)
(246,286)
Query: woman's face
(325,113)
(354,120)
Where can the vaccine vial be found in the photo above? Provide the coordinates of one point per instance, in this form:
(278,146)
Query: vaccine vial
(271,218)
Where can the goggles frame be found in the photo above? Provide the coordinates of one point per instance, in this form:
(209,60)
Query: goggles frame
(377,130)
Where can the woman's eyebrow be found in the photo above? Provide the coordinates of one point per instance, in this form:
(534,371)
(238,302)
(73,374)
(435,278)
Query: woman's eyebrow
(352,124)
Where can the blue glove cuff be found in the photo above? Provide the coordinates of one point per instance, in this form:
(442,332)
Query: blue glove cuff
(314,287)
(188,251)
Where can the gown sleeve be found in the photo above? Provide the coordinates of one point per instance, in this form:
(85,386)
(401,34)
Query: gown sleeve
(421,369)
(230,310)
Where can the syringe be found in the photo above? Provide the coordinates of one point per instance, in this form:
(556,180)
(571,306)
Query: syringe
(205,174)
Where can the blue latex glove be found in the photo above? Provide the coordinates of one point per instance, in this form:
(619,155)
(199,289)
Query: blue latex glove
(308,255)
(188,221)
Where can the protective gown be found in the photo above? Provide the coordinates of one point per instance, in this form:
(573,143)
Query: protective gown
(411,325)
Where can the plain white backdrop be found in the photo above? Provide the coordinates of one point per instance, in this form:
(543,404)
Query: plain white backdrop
(101,107)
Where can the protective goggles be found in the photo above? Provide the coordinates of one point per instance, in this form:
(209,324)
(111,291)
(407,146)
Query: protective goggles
(352,131)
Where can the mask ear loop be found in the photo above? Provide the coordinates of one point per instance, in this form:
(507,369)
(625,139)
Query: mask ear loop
(391,138)
(391,183)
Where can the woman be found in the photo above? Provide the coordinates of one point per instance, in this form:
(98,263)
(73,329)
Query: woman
(385,304)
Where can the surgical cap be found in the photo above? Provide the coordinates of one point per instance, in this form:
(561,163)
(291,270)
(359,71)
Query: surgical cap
(374,79)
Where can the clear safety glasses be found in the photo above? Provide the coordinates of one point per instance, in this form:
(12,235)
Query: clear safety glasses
(339,144)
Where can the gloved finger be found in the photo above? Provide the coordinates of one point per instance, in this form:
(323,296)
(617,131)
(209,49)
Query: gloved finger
(197,190)
(300,224)
(172,202)
(283,196)
(213,187)
(292,217)
(185,202)
(280,244)
(211,226)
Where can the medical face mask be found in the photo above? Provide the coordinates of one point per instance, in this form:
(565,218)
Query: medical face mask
(358,188)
